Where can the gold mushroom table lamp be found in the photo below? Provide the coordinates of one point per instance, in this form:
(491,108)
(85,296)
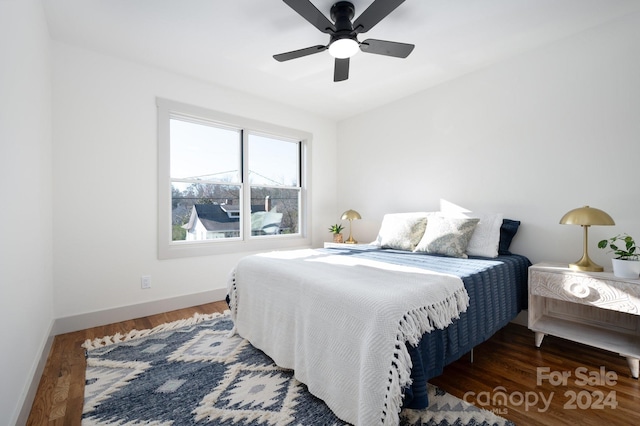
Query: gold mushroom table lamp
(350,215)
(585,217)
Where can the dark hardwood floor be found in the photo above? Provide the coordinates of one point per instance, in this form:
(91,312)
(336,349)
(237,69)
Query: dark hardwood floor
(508,367)
(561,383)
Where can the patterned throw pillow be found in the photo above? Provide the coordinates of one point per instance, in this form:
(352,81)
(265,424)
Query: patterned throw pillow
(402,231)
(447,235)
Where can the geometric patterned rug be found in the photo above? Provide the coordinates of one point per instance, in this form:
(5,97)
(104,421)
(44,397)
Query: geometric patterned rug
(192,372)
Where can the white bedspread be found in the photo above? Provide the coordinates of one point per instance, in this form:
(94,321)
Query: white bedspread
(341,323)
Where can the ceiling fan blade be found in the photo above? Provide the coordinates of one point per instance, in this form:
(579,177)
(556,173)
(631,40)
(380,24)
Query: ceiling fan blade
(387,48)
(374,14)
(281,57)
(341,69)
(308,11)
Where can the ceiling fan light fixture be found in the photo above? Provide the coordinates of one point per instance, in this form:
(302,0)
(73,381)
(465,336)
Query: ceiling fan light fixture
(344,48)
(344,31)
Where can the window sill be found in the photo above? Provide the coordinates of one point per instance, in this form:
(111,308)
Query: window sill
(209,248)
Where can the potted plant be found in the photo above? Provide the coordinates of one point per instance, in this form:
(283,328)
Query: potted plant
(626,264)
(336,230)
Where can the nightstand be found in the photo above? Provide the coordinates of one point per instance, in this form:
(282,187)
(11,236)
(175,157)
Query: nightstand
(594,308)
(351,246)
(336,245)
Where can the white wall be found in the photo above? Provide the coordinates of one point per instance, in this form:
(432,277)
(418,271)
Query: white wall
(105,180)
(26,293)
(532,137)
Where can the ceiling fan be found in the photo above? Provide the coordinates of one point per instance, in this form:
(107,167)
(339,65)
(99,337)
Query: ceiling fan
(343,42)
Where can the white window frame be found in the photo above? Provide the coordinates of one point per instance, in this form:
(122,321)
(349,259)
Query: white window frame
(168,249)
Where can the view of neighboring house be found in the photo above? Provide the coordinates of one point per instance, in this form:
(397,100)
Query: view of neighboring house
(209,221)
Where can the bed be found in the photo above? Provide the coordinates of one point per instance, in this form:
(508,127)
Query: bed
(365,327)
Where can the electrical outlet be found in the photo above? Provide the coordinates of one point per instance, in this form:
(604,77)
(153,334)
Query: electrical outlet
(145,281)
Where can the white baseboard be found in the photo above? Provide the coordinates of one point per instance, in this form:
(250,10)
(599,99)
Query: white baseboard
(124,313)
(30,392)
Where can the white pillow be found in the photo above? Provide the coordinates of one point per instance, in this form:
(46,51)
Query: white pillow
(486,237)
(447,235)
(402,231)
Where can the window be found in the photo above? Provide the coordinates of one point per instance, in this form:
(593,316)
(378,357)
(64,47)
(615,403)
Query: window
(227,183)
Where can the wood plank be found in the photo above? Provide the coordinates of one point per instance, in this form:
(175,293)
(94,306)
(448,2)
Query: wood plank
(510,359)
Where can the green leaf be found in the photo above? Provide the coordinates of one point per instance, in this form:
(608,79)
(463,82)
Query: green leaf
(336,229)
(626,252)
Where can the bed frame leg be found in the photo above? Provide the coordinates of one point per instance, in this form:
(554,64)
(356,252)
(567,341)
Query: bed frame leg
(471,355)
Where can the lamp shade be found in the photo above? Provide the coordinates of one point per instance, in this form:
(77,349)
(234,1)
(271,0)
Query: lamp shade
(350,215)
(586,216)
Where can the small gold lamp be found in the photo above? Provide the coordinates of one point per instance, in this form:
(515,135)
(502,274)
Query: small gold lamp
(585,217)
(350,215)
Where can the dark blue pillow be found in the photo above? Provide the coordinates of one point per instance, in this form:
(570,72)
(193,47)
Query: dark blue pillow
(507,232)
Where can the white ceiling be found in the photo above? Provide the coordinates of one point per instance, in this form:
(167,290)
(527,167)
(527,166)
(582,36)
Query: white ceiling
(231,42)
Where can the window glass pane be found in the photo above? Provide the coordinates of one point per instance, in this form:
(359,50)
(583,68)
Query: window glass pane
(273,162)
(203,211)
(274,210)
(203,152)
